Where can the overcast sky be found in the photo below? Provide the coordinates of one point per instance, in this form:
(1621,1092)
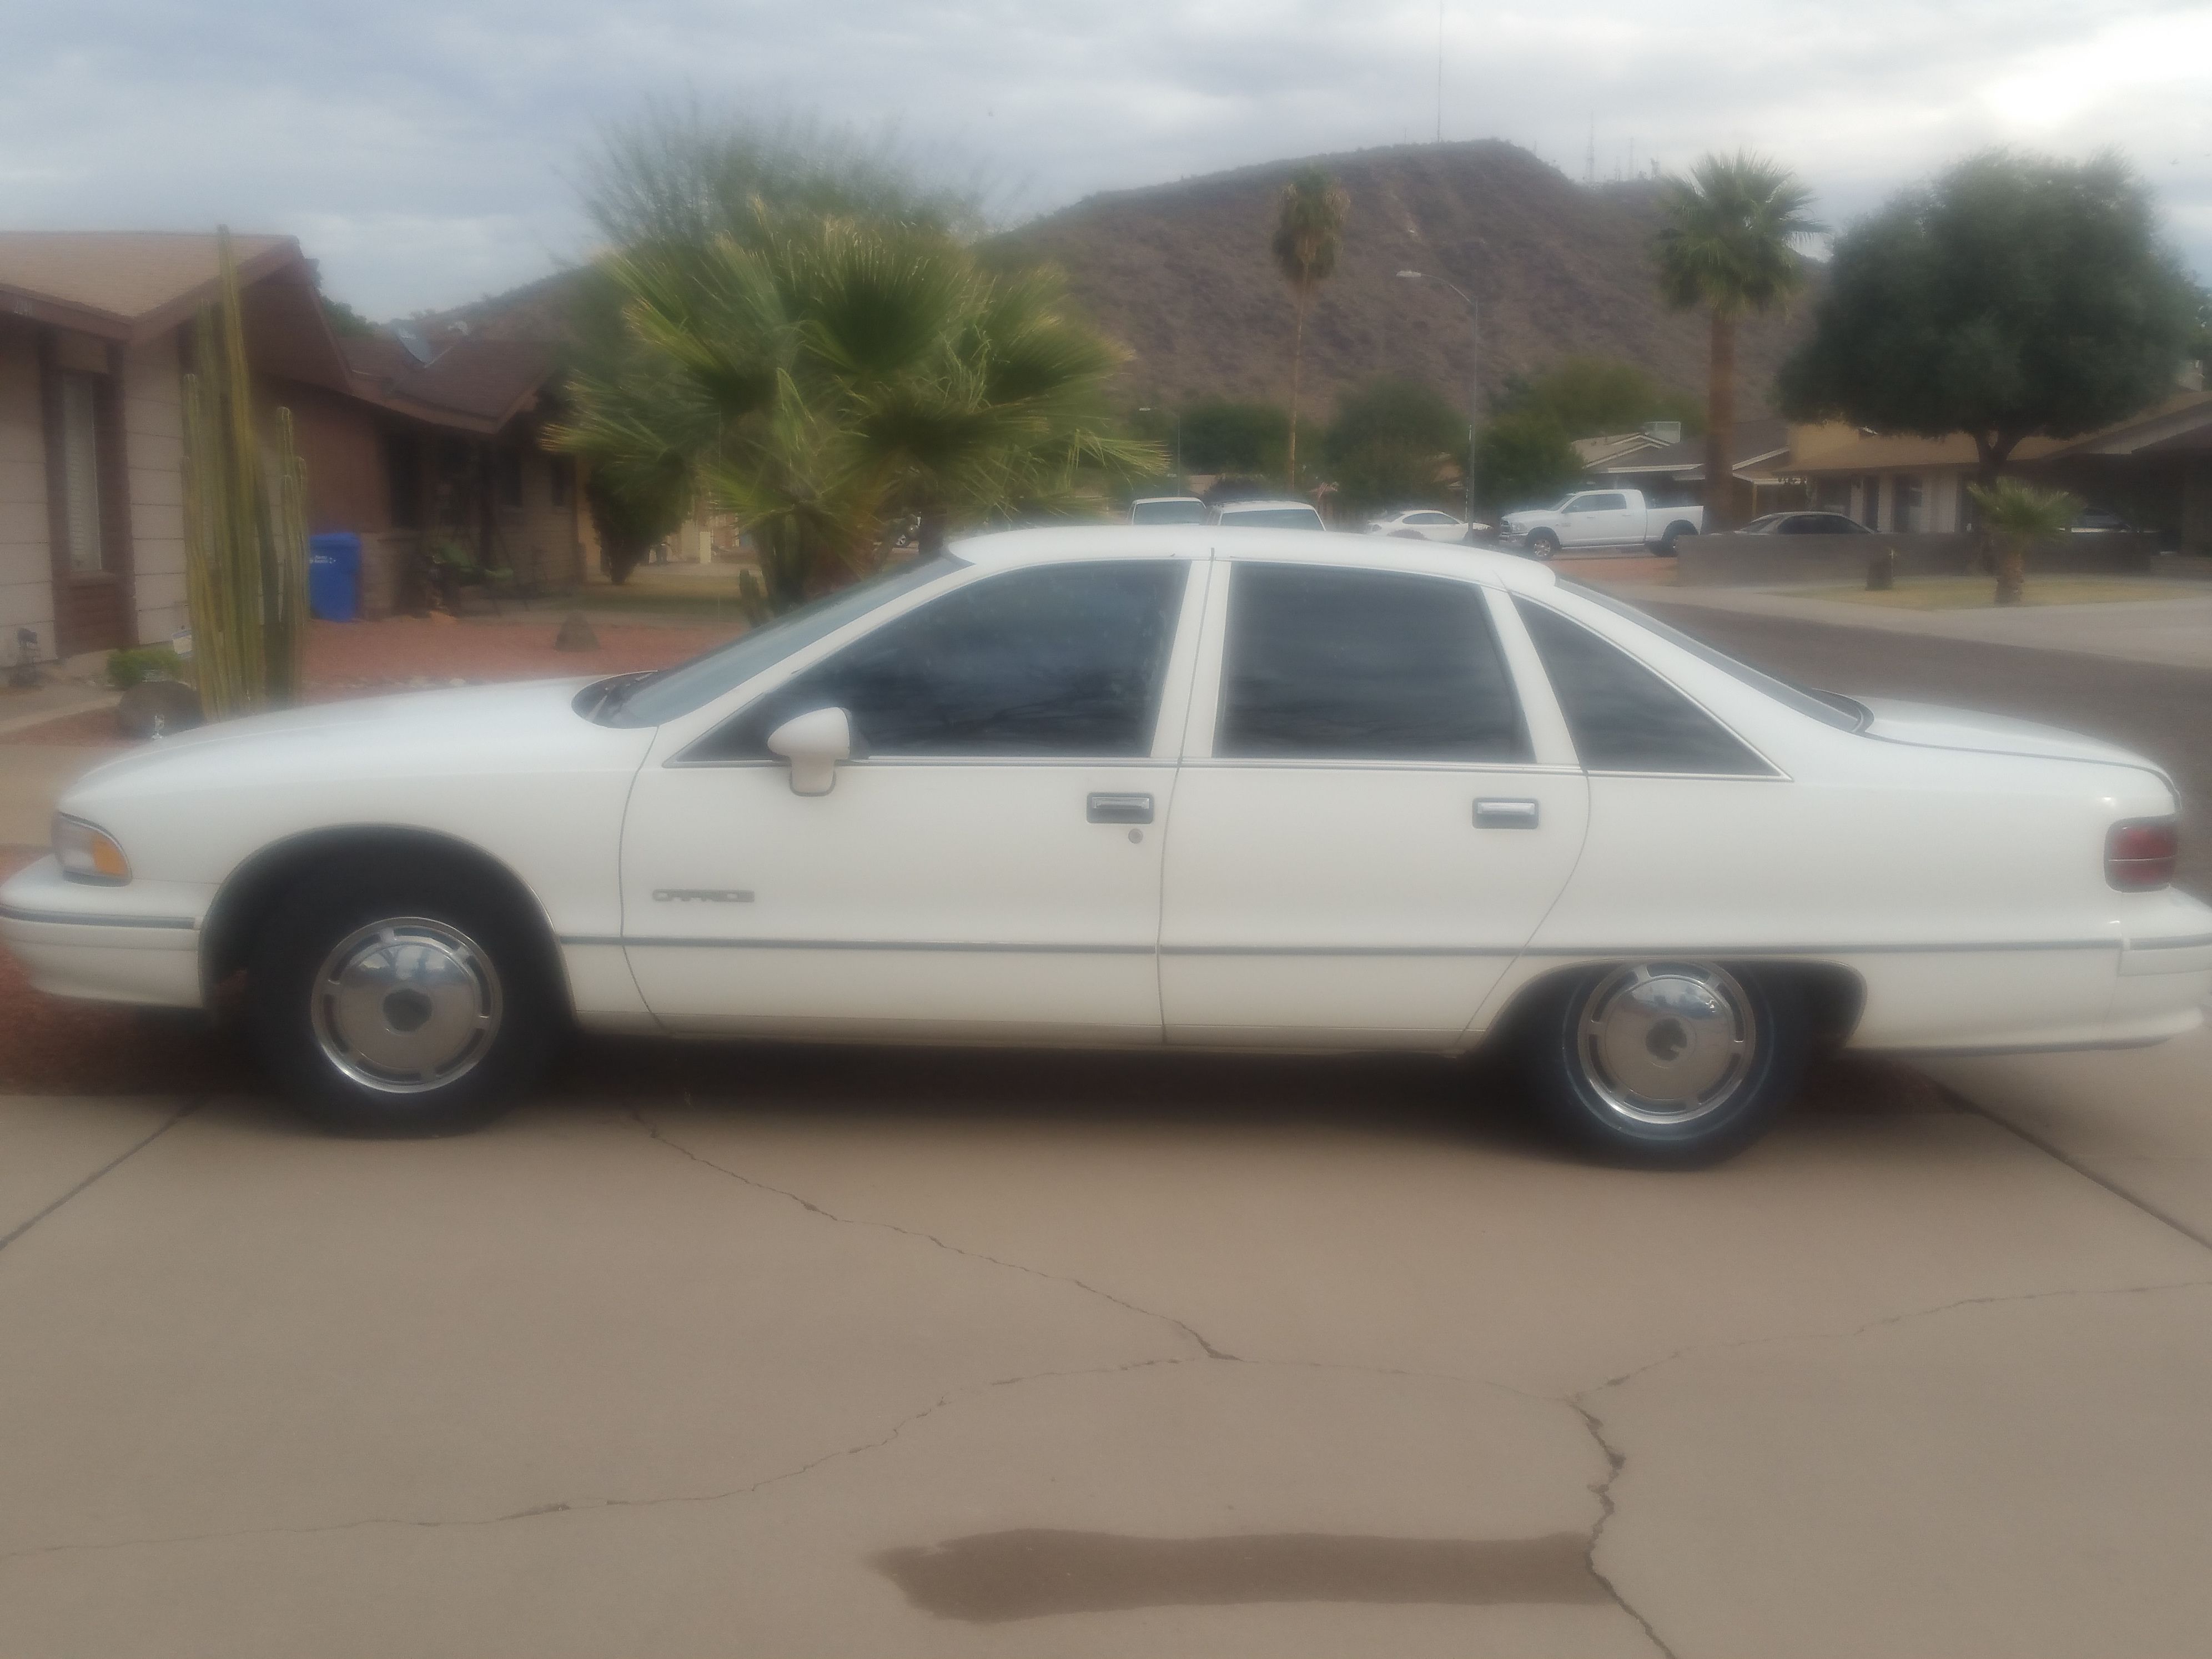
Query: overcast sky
(421,150)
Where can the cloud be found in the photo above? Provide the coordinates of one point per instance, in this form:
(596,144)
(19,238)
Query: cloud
(422,150)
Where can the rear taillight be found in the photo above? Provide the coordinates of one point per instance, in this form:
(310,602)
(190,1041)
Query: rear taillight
(2141,853)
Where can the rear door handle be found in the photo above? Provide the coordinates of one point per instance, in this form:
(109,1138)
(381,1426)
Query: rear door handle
(1121,809)
(1506,815)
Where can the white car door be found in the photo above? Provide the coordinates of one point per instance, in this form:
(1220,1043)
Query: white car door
(1616,524)
(988,864)
(1370,822)
(1583,522)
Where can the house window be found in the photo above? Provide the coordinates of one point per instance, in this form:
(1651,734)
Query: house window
(557,470)
(79,437)
(1904,502)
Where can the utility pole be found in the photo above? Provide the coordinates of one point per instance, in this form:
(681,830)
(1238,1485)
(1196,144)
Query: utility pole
(1474,377)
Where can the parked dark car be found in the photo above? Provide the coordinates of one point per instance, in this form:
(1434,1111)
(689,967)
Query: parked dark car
(2099,518)
(1806,524)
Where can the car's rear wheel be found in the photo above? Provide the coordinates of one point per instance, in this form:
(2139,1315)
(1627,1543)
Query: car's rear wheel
(400,1005)
(1665,1063)
(1542,543)
(1667,548)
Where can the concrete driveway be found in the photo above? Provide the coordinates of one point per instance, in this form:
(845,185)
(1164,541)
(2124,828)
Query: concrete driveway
(925,1354)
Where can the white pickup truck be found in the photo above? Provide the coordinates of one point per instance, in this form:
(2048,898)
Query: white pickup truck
(1592,519)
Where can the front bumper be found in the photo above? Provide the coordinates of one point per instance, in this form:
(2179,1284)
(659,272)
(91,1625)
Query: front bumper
(138,942)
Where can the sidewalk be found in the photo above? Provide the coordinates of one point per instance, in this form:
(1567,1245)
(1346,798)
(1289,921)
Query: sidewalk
(2174,632)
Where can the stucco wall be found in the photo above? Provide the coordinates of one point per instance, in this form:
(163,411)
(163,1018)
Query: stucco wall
(153,443)
(27,593)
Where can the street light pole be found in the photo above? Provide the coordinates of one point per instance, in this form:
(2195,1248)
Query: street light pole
(1474,377)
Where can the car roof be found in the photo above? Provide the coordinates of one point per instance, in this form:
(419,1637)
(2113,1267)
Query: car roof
(1269,504)
(1153,500)
(1007,548)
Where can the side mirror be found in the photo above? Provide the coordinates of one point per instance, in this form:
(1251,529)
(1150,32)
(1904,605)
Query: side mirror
(814,742)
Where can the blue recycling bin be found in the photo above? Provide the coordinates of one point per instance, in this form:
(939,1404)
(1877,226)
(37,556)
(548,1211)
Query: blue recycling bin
(334,575)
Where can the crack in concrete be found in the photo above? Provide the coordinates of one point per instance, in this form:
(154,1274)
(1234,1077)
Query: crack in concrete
(192,1104)
(585,1505)
(1615,1461)
(1905,1317)
(1205,1347)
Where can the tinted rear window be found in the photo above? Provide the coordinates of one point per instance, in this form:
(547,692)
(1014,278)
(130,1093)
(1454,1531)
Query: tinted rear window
(1622,717)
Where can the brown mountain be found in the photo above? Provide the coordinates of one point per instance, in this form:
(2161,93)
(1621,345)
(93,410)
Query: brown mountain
(1181,274)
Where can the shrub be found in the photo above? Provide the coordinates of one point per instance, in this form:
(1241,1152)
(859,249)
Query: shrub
(146,662)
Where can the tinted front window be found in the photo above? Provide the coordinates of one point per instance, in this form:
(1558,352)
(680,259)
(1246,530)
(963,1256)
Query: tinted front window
(1056,660)
(1623,718)
(1358,664)
(1189,512)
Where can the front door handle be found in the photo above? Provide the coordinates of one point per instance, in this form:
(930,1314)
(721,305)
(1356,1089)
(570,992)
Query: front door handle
(1121,809)
(1506,815)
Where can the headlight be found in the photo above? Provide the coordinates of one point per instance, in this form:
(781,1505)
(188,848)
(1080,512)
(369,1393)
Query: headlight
(89,853)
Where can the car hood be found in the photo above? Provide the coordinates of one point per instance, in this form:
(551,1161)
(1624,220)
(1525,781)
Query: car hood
(411,731)
(1929,726)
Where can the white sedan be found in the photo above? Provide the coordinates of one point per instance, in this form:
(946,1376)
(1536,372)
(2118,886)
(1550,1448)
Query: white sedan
(1183,785)
(1421,524)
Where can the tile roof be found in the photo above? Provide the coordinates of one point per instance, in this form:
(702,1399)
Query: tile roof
(1754,440)
(126,285)
(483,382)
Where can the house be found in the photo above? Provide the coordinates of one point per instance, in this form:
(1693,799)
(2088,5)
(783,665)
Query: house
(2154,469)
(92,354)
(1670,468)
(410,443)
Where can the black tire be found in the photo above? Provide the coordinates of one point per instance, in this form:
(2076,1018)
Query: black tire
(1666,550)
(1542,545)
(428,946)
(1592,1038)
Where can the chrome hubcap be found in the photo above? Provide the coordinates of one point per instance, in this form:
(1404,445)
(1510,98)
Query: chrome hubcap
(1666,1043)
(406,1004)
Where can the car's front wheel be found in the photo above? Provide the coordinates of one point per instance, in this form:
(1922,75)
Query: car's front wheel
(400,1005)
(1542,543)
(1668,1064)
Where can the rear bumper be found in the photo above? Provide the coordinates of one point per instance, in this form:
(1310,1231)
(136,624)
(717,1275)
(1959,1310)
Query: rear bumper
(135,944)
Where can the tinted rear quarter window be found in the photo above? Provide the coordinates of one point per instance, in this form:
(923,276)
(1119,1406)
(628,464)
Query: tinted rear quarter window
(1622,717)
(1356,665)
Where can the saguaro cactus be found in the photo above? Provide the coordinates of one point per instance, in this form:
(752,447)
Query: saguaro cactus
(246,541)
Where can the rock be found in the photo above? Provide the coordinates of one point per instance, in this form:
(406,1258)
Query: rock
(575,634)
(152,708)
(442,617)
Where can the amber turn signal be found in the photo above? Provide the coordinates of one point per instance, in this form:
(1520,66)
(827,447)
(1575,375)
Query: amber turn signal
(87,853)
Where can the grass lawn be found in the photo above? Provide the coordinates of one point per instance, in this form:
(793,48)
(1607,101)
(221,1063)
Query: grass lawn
(1978,592)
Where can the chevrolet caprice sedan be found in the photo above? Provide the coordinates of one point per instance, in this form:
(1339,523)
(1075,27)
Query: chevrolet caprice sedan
(1184,785)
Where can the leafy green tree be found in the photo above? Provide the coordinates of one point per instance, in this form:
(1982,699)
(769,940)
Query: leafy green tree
(1524,459)
(1226,435)
(2015,296)
(2019,514)
(1395,443)
(345,322)
(1725,247)
(1309,233)
(1591,396)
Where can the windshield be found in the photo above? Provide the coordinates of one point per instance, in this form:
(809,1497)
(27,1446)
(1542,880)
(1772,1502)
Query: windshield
(1190,510)
(1829,708)
(679,690)
(1272,518)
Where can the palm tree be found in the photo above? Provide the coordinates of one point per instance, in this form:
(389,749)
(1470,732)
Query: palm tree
(2019,514)
(821,376)
(1725,246)
(1309,232)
